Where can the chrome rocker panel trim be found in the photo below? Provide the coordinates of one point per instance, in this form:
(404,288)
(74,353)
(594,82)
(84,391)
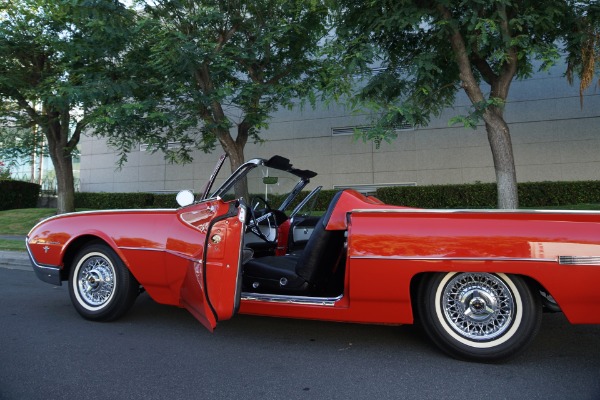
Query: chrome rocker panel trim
(280,298)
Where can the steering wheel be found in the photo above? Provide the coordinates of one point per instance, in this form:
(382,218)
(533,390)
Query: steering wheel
(256,200)
(268,215)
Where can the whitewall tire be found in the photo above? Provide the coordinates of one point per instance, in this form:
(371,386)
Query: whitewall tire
(479,316)
(100,285)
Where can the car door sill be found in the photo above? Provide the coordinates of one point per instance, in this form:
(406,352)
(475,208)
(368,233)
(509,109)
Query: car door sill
(280,298)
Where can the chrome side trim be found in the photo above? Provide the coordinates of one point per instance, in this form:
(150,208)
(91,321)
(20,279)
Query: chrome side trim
(469,211)
(579,260)
(213,176)
(113,211)
(175,253)
(280,298)
(412,258)
(242,213)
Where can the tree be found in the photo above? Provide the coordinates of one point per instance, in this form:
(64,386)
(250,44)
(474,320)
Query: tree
(212,67)
(4,171)
(20,145)
(583,46)
(58,63)
(430,49)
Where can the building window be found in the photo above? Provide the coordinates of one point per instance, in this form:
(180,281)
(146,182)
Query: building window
(350,130)
(172,145)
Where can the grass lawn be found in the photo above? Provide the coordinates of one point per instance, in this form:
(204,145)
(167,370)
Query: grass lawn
(20,222)
(12,245)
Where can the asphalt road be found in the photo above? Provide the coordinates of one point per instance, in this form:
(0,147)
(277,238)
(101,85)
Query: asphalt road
(158,352)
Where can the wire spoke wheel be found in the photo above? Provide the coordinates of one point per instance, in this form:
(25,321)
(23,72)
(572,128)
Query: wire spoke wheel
(96,280)
(101,287)
(478,306)
(479,316)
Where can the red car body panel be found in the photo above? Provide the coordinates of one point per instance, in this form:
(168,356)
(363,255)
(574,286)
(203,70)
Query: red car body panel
(557,250)
(163,249)
(387,247)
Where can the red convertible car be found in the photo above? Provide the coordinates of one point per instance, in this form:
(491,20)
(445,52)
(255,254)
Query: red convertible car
(478,281)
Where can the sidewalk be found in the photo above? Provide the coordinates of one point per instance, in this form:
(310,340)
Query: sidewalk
(12,237)
(15,260)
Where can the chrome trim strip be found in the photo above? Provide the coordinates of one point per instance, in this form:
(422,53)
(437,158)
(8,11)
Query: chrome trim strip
(237,301)
(46,273)
(469,211)
(33,261)
(114,211)
(579,260)
(248,165)
(119,211)
(175,253)
(280,298)
(303,202)
(213,176)
(412,258)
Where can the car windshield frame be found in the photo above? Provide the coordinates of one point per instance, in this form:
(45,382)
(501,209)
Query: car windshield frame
(276,163)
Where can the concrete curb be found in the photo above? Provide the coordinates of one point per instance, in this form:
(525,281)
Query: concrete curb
(13,237)
(15,260)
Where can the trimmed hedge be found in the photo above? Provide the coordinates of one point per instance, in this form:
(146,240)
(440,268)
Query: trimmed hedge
(165,201)
(107,201)
(484,195)
(18,194)
(323,199)
(476,195)
(536,194)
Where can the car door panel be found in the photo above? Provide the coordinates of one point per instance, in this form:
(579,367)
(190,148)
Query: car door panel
(211,287)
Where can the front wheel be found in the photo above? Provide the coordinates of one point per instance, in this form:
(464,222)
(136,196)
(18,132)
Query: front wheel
(479,316)
(100,285)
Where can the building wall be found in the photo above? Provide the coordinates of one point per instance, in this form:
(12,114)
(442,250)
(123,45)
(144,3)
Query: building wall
(553,137)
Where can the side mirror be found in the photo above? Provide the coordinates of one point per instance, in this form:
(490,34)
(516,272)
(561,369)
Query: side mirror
(185,198)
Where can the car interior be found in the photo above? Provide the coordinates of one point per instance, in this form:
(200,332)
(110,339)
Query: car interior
(286,250)
(268,189)
(317,269)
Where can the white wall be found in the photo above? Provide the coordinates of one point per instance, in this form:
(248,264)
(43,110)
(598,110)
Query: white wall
(553,139)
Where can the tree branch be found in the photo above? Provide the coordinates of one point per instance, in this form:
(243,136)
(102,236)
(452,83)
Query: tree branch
(242,136)
(509,68)
(469,83)
(280,75)
(488,74)
(224,37)
(77,134)
(24,105)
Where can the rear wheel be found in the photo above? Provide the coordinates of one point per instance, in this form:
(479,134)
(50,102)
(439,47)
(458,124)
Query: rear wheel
(100,285)
(479,316)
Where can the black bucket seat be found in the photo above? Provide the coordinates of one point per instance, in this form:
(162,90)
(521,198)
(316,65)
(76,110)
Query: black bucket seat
(306,273)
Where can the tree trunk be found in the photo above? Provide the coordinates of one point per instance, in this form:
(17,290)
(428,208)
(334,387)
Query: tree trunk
(235,151)
(57,133)
(236,156)
(504,162)
(497,129)
(63,166)
(66,187)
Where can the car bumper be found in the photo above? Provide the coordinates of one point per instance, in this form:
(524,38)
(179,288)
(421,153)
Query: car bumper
(46,273)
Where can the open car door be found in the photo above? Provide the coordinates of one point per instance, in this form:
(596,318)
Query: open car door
(211,289)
